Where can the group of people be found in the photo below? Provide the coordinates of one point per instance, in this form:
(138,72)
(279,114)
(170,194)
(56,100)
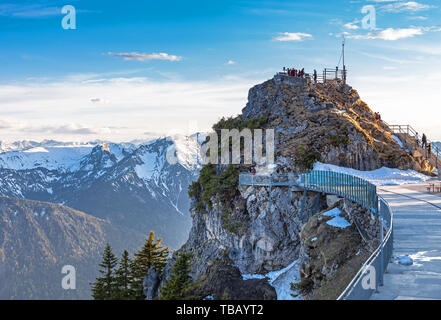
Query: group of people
(424,143)
(294,72)
(377,117)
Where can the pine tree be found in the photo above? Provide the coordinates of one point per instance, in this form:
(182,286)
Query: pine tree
(123,278)
(151,255)
(104,288)
(180,280)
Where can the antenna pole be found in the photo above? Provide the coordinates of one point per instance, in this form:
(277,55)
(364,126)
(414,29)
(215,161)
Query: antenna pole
(344,66)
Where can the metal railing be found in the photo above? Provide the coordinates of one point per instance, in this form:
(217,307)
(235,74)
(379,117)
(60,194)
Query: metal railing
(358,289)
(350,187)
(328,74)
(411,132)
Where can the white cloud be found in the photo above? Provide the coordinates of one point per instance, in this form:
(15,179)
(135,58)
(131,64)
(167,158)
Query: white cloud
(145,56)
(69,128)
(410,6)
(421,18)
(351,26)
(28,10)
(391,34)
(63,109)
(231,62)
(289,36)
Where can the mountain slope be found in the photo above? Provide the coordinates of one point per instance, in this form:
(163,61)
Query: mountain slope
(37,239)
(135,187)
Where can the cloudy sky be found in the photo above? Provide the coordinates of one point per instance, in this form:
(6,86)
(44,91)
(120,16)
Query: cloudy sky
(140,69)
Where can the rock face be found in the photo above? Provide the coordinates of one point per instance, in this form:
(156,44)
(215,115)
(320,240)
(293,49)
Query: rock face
(328,122)
(223,281)
(255,232)
(331,256)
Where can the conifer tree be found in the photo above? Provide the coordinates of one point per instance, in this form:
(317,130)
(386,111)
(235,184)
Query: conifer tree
(180,279)
(151,255)
(104,288)
(123,278)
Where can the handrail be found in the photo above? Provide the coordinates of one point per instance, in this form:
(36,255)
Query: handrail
(409,130)
(350,187)
(328,74)
(379,253)
(353,188)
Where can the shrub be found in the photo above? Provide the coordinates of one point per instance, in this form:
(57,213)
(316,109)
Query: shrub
(211,185)
(238,123)
(305,159)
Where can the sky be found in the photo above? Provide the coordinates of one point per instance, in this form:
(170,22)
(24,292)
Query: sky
(143,69)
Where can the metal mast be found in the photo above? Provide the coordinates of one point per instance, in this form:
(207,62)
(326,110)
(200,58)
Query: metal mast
(344,66)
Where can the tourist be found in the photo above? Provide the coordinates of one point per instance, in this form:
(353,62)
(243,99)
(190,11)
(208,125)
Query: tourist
(417,139)
(429,150)
(424,141)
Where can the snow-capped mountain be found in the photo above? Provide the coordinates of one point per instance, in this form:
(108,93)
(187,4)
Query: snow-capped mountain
(141,187)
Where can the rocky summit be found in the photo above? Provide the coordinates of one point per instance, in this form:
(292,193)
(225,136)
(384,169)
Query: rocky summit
(245,237)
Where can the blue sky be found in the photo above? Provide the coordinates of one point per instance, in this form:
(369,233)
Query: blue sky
(140,69)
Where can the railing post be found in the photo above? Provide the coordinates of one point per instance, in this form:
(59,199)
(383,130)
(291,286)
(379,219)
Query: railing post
(381,248)
(270,192)
(302,208)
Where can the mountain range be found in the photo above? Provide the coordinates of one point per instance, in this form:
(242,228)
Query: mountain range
(61,202)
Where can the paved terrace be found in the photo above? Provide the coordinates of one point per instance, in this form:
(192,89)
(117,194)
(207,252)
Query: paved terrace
(417,233)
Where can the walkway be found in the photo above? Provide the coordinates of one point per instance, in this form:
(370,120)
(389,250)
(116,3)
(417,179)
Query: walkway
(417,233)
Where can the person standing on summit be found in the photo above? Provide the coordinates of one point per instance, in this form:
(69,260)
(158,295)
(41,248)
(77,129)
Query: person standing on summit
(424,141)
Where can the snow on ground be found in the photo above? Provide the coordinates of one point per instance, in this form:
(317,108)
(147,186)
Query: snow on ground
(380,177)
(424,256)
(281,280)
(150,165)
(405,260)
(51,158)
(188,150)
(336,221)
(398,141)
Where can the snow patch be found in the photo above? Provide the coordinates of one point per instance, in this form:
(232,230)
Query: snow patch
(425,256)
(405,260)
(398,141)
(336,221)
(281,280)
(380,177)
